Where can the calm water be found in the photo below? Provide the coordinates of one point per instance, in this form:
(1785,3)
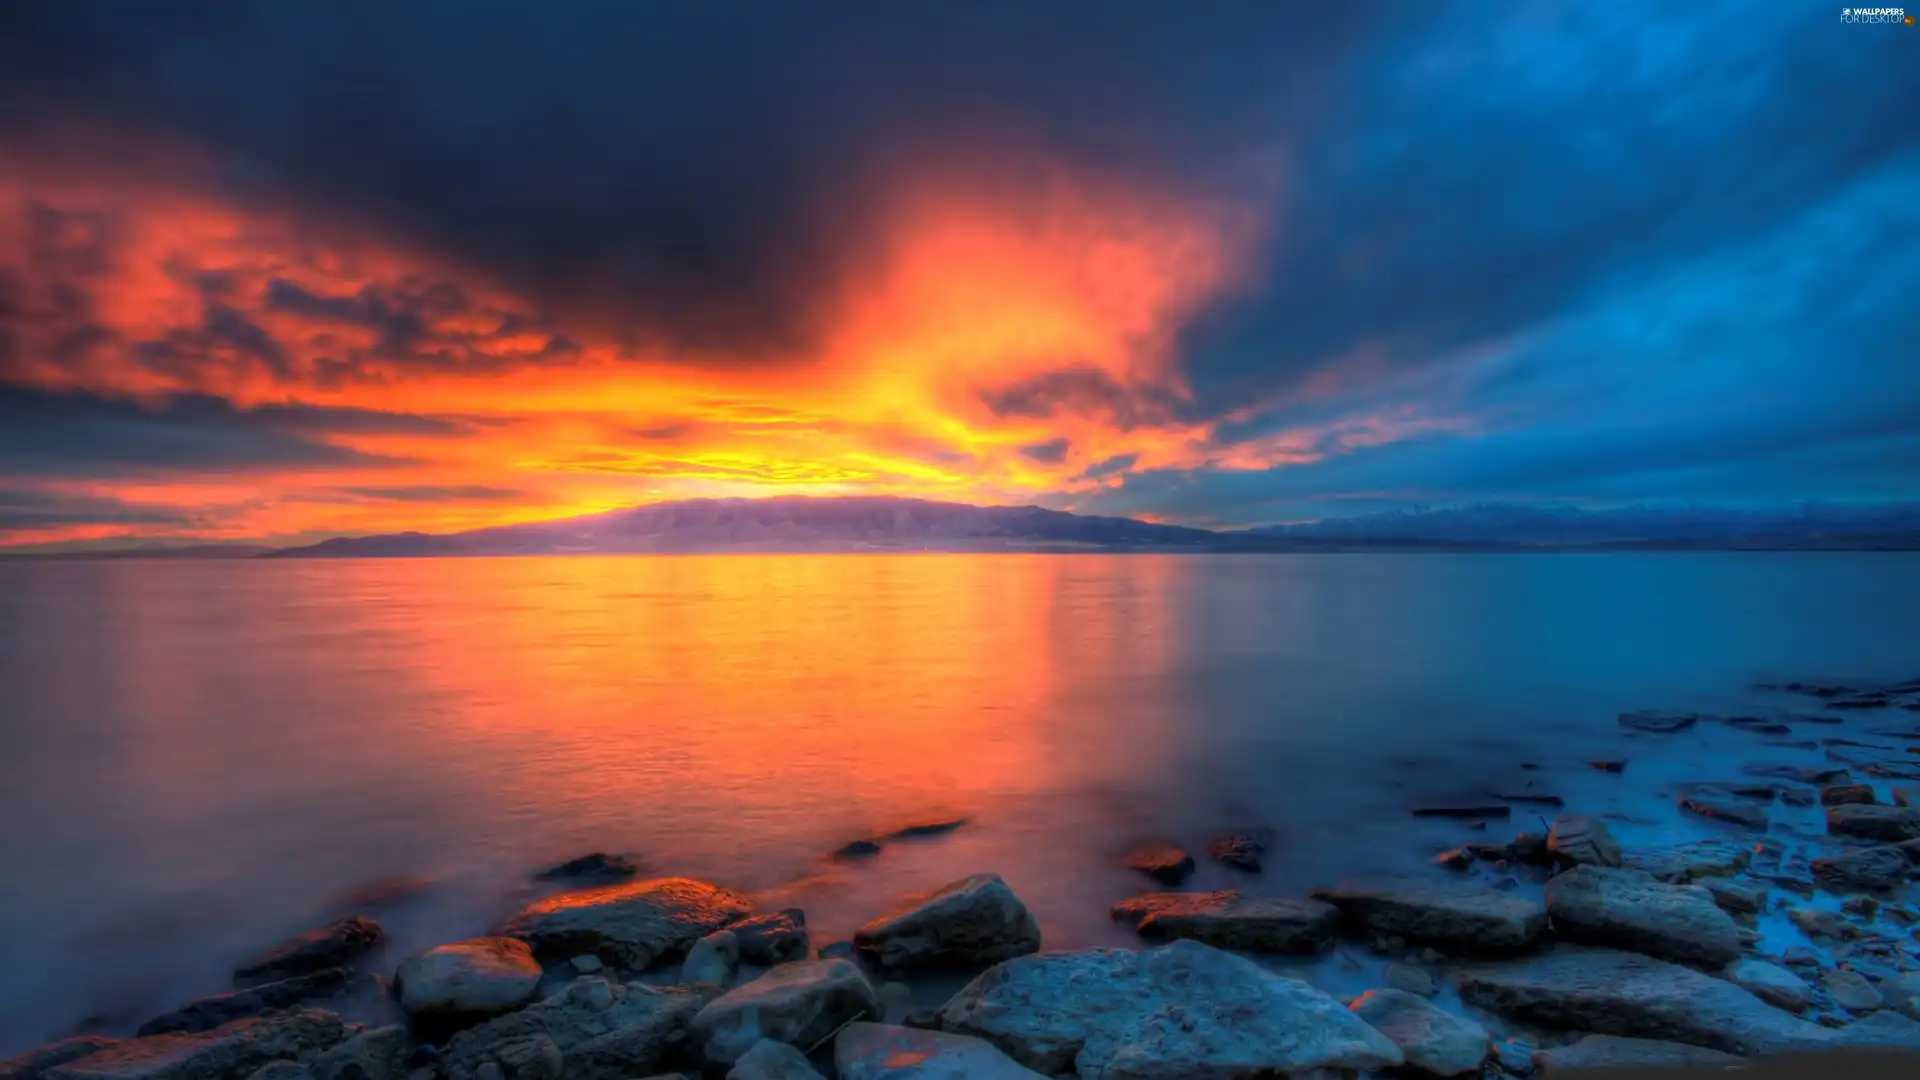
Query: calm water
(196,758)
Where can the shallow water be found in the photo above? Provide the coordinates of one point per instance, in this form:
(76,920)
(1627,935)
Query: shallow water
(198,758)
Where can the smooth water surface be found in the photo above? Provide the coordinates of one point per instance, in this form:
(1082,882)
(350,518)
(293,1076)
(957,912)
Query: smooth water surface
(197,758)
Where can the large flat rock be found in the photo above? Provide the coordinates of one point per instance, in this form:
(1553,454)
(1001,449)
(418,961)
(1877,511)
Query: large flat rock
(1169,1013)
(1615,1052)
(1435,1041)
(34,1063)
(601,1031)
(1462,918)
(799,1003)
(634,924)
(339,944)
(973,922)
(1626,909)
(1610,992)
(883,1052)
(1228,920)
(1889,824)
(207,1013)
(229,1052)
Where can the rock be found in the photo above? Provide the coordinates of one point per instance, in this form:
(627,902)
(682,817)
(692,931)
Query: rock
(635,924)
(1616,1052)
(857,849)
(1582,841)
(1799,774)
(281,1070)
(772,939)
(1242,851)
(1660,723)
(975,921)
(1433,1041)
(1852,992)
(1884,823)
(467,981)
(713,959)
(1626,909)
(207,1013)
(1162,862)
(1841,794)
(1906,794)
(1170,1013)
(600,1030)
(1738,897)
(1229,921)
(1797,797)
(1722,806)
(1459,858)
(896,1000)
(1613,765)
(920,830)
(586,964)
(1771,983)
(1609,992)
(1410,979)
(1458,917)
(1532,849)
(1880,1030)
(598,866)
(1513,1057)
(882,1052)
(1822,925)
(229,1052)
(1502,812)
(338,944)
(376,1054)
(769,1060)
(799,1003)
(32,1064)
(1682,864)
(1875,868)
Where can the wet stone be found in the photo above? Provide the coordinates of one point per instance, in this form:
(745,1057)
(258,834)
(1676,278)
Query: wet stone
(598,866)
(1242,850)
(1580,840)
(1162,862)
(1230,921)
(1841,794)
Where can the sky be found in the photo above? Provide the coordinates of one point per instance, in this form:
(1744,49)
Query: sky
(287,269)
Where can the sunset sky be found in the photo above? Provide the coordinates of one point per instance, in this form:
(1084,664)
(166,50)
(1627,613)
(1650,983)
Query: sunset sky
(282,270)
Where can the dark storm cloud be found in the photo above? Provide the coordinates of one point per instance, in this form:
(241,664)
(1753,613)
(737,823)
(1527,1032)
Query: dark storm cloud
(23,509)
(55,434)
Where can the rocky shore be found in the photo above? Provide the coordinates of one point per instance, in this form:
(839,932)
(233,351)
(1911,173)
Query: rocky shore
(1518,952)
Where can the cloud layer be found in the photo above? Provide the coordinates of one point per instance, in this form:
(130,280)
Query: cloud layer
(289,269)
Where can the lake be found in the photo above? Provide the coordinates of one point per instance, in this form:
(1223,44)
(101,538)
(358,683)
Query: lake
(198,758)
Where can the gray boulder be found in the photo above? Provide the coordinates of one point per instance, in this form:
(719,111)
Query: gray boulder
(633,924)
(339,944)
(207,1013)
(1851,991)
(374,1054)
(1228,920)
(1615,1052)
(1582,841)
(769,1060)
(1169,1013)
(773,939)
(1882,1030)
(32,1064)
(600,1031)
(1889,824)
(1874,869)
(1737,897)
(1434,1041)
(1681,864)
(882,1052)
(1771,983)
(975,921)
(1458,917)
(1609,992)
(229,1052)
(467,980)
(1629,910)
(713,959)
(799,1003)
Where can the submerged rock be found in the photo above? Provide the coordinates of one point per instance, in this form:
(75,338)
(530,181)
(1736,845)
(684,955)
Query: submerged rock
(921,830)
(1610,992)
(634,924)
(1628,910)
(1722,805)
(1698,860)
(599,866)
(799,1003)
(339,944)
(600,1031)
(1466,919)
(773,939)
(1579,840)
(1661,723)
(1169,1013)
(1616,1052)
(467,981)
(974,921)
(229,1052)
(1771,983)
(207,1013)
(883,1052)
(1841,794)
(1876,868)
(1885,823)
(856,849)
(1164,863)
(1433,1040)
(1229,921)
(1242,851)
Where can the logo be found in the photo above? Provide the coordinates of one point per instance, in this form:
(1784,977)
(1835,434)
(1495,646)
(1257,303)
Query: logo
(1872,16)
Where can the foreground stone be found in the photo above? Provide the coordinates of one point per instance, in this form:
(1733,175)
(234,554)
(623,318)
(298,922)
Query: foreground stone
(1874,869)
(1433,1040)
(1883,1031)
(1771,983)
(769,1060)
(378,1054)
(467,981)
(1682,864)
(598,1030)
(713,959)
(1170,1013)
(338,944)
(975,921)
(773,939)
(1228,920)
(34,1063)
(1447,916)
(1162,862)
(799,1003)
(1629,910)
(207,1013)
(1620,993)
(883,1052)
(228,1052)
(1738,897)
(1579,840)
(634,924)
(1615,1052)
(1890,824)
